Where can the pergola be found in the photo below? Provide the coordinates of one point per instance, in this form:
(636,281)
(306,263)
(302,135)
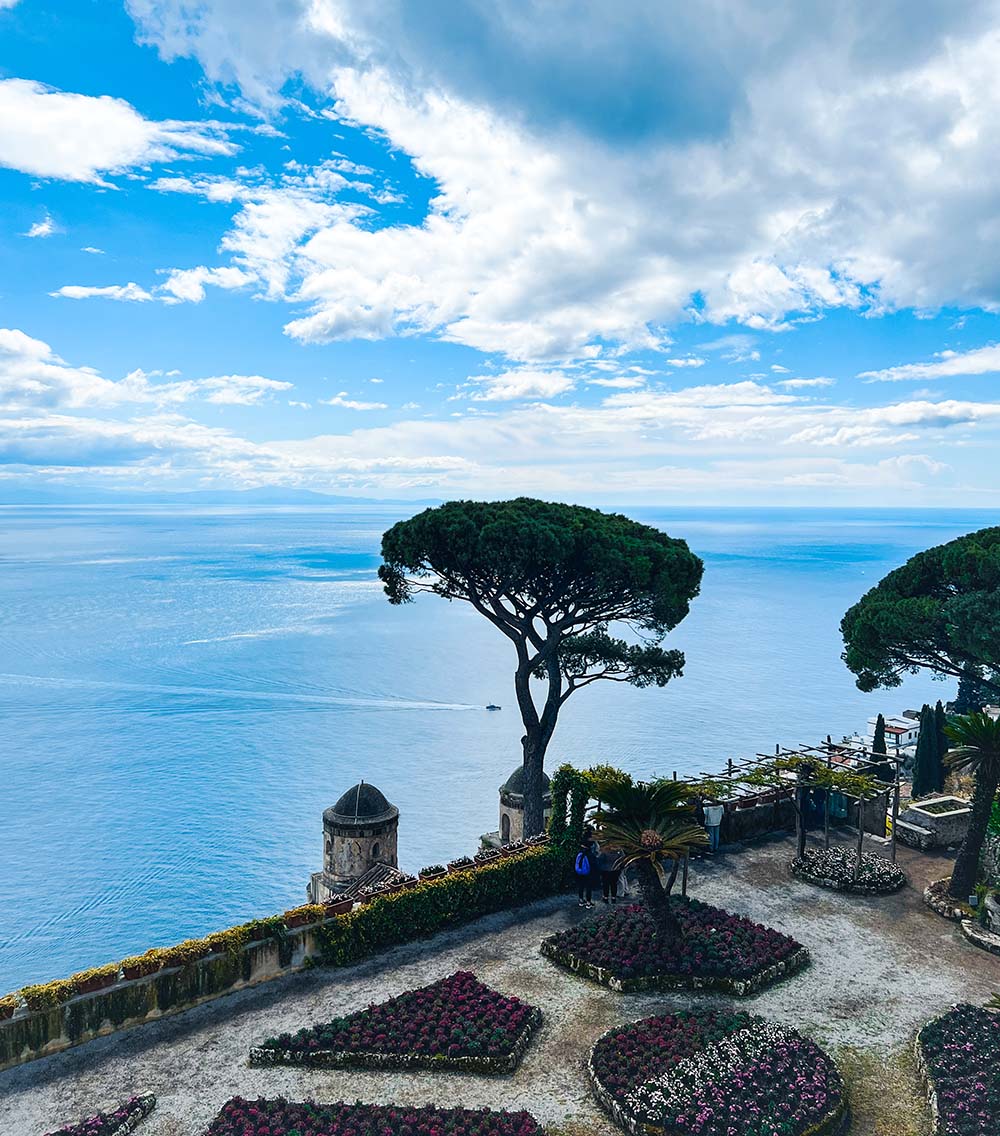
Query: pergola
(839,767)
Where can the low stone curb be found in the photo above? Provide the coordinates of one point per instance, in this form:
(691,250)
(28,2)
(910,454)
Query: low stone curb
(980,937)
(800,872)
(348,1059)
(944,905)
(930,1085)
(835,1123)
(741,987)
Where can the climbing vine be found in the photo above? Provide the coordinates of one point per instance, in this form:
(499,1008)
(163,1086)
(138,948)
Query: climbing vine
(570,794)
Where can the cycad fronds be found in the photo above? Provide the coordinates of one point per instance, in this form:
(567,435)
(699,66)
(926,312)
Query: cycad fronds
(977,741)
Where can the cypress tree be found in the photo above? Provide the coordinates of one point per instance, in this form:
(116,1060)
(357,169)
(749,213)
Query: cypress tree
(884,770)
(928,760)
(940,721)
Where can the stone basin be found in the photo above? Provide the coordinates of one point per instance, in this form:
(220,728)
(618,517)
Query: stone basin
(945,817)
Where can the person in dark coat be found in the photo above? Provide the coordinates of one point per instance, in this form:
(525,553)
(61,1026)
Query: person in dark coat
(609,863)
(585,867)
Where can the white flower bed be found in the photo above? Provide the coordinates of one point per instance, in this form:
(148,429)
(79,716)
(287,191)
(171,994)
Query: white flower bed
(835,868)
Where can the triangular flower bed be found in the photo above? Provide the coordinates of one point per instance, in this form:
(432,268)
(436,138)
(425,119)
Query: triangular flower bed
(279,1117)
(715,1073)
(456,1023)
(718,951)
(118,1122)
(959,1056)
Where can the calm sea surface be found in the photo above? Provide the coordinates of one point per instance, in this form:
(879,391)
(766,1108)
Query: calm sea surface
(182,693)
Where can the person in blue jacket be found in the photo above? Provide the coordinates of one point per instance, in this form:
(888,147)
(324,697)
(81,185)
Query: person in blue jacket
(585,867)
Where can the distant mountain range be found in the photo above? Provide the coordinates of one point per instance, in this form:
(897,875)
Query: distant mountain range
(12,493)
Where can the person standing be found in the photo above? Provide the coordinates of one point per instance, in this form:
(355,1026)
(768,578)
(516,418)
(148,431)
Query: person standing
(609,864)
(586,868)
(713,823)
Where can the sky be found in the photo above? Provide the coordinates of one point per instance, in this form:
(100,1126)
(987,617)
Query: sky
(643,253)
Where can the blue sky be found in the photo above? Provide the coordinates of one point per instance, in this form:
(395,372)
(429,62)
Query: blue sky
(437,249)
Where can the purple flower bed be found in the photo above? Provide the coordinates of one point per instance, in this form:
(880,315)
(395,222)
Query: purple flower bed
(728,949)
(716,1074)
(455,1023)
(961,1054)
(279,1117)
(118,1122)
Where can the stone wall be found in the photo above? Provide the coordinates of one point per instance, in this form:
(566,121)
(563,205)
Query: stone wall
(31,1034)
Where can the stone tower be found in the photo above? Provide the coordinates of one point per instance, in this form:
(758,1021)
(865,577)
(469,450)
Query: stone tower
(359,833)
(512,805)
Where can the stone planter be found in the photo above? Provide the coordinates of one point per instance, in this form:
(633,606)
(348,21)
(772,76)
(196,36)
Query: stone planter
(142,969)
(339,907)
(945,818)
(426,878)
(99,983)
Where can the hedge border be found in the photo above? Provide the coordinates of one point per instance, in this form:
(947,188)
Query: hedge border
(360,1059)
(146,1104)
(835,1123)
(741,987)
(849,887)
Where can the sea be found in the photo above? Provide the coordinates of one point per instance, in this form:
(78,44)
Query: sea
(184,690)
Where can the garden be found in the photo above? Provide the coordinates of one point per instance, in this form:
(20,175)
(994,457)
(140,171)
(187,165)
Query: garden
(959,1055)
(456,1023)
(279,1117)
(716,1073)
(118,1122)
(841,870)
(715,950)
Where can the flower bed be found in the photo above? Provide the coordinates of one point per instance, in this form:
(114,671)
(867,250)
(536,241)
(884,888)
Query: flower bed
(937,898)
(715,1074)
(279,1117)
(717,951)
(120,1122)
(959,1056)
(456,1023)
(834,868)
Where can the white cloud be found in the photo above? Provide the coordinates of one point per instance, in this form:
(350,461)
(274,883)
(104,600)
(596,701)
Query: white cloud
(59,134)
(524,384)
(32,375)
(342,400)
(188,284)
(856,148)
(622,382)
(7,3)
(130,292)
(687,361)
(43,228)
(803,384)
(981,361)
(92,250)
(778,369)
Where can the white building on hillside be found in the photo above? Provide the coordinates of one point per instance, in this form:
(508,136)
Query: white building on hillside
(900,733)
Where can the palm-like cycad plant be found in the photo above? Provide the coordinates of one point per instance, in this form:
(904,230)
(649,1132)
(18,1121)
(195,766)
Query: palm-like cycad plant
(975,747)
(650,823)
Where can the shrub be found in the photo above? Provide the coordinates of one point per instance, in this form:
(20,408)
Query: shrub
(716,947)
(961,1055)
(104,975)
(716,1074)
(280,1117)
(185,953)
(120,1120)
(456,1022)
(48,995)
(307,913)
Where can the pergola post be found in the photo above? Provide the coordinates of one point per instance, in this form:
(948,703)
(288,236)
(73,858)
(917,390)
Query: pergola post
(826,810)
(895,813)
(861,836)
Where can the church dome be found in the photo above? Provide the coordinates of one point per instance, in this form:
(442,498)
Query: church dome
(363,804)
(514,785)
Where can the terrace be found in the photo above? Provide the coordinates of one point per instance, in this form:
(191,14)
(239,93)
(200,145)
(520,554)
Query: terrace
(881,968)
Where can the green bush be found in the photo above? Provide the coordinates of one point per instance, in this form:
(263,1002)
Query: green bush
(48,995)
(431,906)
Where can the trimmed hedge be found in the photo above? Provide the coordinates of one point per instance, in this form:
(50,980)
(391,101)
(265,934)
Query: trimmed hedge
(434,905)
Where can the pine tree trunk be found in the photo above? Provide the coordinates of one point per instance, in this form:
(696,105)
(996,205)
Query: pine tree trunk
(533,746)
(657,902)
(966,872)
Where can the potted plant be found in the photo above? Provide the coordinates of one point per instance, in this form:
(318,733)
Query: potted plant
(300,916)
(462,864)
(433,872)
(97,978)
(8,1006)
(512,848)
(186,953)
(138,966)
(337,907)
(48,995)
(408,883)
(538,838)
(487,856)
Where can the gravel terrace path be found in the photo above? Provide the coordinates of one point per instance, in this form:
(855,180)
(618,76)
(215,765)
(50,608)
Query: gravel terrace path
(881,967)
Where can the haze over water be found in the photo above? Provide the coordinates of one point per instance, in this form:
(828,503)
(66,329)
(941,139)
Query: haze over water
(182,693)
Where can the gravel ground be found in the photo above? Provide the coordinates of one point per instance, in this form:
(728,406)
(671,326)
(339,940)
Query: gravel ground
(881,967)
